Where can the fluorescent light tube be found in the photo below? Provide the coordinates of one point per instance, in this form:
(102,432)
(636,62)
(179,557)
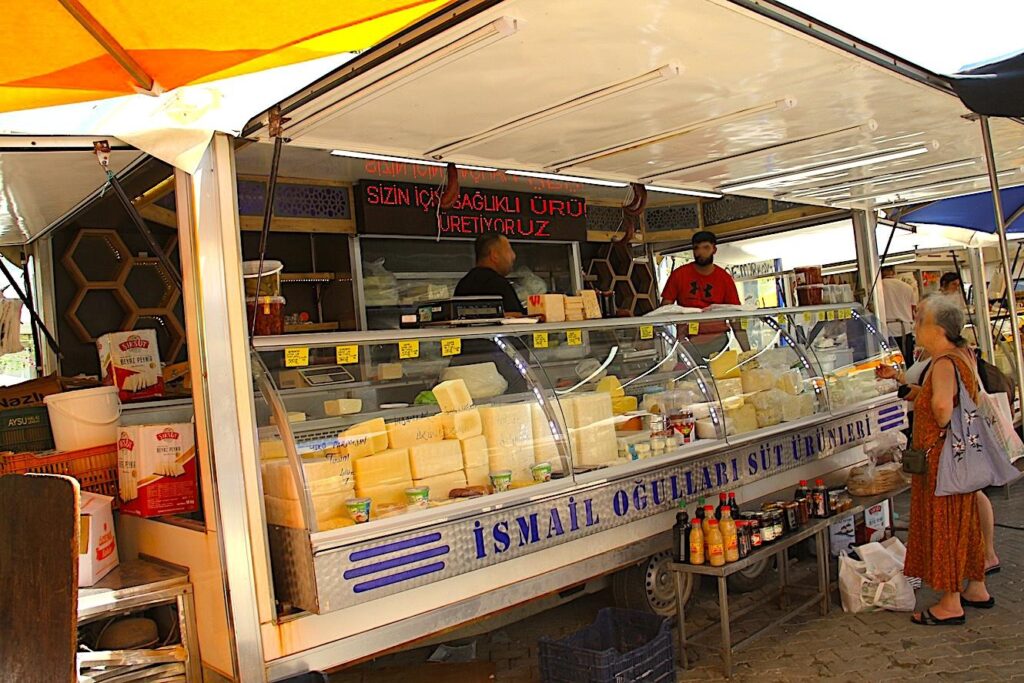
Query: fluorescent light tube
(880,180)
(898,193)
(572,105)
(362,90)
(781,105)
(881,157)
(567,178)
(405,160)
(676,190)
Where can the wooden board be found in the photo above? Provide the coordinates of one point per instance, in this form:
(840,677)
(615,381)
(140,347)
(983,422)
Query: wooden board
(38,578)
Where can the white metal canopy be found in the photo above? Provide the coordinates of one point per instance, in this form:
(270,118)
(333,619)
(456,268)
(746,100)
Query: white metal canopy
(703,94)
(43,178)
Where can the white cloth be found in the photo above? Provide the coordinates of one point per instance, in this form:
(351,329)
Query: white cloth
(10,326)
(900,299)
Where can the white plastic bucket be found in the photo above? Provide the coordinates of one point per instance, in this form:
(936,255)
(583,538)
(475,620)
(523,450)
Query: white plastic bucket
(84,418)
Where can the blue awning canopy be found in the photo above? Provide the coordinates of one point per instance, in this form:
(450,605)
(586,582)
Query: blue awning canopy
(994,89)
(972,211)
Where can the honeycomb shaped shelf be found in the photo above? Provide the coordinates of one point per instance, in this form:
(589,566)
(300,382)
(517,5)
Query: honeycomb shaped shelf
(620,270)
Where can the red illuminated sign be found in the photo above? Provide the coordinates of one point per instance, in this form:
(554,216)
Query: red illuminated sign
(396,208)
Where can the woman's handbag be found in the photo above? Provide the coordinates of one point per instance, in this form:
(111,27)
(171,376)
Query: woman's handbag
(971,457)
(915,461)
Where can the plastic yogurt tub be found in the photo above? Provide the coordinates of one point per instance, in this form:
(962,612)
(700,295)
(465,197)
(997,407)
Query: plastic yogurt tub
(501,480)
(541,472)
(358,509)
(418,496)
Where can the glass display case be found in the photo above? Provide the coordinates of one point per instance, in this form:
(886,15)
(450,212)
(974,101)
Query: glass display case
(371,435)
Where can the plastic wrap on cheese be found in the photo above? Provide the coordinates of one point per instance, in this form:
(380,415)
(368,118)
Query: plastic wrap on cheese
(790,381)
(482,379)
(509,433)
(441,484)
(757,379)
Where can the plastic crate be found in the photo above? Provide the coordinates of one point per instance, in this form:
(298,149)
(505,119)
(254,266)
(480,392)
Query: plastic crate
(26,429)
(94,468)
(621,646)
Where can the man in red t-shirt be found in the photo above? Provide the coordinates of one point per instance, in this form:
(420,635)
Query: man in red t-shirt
(700,284)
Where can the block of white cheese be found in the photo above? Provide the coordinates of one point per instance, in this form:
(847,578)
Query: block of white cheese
(725,365)
(791,382)
(288,512)
(416,432)
(322,476)
(591,428)
(611,385)
(509,433)
(474,452)
(551,306)
(742,419)
(544,447)
(342,406)
(478,476)
(730,390)
(365,438)
(383,468)
(462,424)
(482,379)
(441,484)
(389,371)
(452,395)
(706,429)
(757,379)
(433,459)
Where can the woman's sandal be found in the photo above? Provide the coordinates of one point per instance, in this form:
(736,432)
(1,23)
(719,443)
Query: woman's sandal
(978,604)
(994,569)
(928,619)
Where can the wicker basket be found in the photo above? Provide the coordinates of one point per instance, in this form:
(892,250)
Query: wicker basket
(94,468)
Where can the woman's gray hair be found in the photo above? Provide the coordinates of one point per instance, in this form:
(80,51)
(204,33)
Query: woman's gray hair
(947,314)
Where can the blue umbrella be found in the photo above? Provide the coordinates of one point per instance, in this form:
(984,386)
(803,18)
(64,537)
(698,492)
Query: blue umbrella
(973,211)
(993,89)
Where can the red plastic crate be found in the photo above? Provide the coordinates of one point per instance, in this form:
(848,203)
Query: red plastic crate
(94,468)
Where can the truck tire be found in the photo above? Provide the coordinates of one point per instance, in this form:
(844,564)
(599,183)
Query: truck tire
(650,587)
(751,578)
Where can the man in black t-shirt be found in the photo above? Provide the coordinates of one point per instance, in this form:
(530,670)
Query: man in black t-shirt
(494,261)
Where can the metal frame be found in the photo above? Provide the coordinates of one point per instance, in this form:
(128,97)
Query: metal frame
(868,265)
(979,286)
(1004,247)
(210,248)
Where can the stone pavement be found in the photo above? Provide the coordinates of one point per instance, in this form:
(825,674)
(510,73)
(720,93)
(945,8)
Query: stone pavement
(876,646)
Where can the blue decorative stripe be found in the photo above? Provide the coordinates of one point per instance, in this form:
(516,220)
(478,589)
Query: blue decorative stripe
(395,562)
(890,409)
(393,547)
(894,425)
(399,577)
(892,418)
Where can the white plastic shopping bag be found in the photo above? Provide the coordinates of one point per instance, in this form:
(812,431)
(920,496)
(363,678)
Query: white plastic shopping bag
(876,581)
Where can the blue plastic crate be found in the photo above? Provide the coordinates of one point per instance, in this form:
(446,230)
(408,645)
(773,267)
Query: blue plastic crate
(621,646)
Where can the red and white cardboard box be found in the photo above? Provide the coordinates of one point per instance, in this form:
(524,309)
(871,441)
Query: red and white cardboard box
(156,467)
(97,544)
(130,361)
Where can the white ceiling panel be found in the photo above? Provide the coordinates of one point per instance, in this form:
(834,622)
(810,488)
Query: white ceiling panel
(701,94)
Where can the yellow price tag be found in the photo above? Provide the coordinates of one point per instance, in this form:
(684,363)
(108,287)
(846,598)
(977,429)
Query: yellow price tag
(344,355)
(744,323)
(821,316)
(573,337)
(781,319)
(451,347)
(540,340)
(296,357)
(409,348)
(830,315)
(807,317)
(693,328)
(846,314)
(647,331)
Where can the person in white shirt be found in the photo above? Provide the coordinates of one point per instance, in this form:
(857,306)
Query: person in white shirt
(900,306)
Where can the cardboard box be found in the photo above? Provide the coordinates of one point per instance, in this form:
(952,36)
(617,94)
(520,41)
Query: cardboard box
(97,544)
(130,361)
(156,468)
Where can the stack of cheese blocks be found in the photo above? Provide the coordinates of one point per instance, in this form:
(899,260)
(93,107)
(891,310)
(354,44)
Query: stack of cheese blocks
(574,308)
(755,397)
(621,404)
(591,427)
(330,485)
(558,308)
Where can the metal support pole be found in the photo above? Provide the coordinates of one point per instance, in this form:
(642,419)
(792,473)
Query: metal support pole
(214,301)
(864,223)
(1004,250)
(979,289)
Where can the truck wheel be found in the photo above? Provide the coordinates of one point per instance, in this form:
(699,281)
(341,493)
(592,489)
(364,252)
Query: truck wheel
(650,587)
(751,578)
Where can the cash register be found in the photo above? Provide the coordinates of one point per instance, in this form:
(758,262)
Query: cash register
(458,310)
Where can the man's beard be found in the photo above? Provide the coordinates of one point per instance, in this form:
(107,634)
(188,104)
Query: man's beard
(703,261)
